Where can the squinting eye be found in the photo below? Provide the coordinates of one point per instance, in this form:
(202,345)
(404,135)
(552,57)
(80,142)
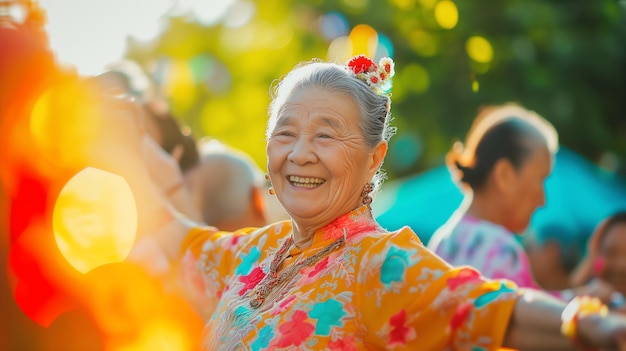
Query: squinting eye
(283,133)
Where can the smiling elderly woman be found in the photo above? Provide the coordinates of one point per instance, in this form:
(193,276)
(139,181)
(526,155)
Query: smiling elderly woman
(331,278)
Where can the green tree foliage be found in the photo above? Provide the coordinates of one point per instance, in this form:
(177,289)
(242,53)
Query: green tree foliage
(564,59)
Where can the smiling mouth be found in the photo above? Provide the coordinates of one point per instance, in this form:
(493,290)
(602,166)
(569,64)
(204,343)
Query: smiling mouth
(306,182)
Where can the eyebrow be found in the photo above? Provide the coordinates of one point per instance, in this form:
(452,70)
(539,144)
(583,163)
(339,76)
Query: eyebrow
(333,122)
(287,117)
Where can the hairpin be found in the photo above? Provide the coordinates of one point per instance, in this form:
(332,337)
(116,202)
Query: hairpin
(378,77)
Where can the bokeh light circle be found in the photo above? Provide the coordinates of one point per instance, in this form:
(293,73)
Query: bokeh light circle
(94,219)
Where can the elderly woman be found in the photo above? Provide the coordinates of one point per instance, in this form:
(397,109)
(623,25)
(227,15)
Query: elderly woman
(331,278)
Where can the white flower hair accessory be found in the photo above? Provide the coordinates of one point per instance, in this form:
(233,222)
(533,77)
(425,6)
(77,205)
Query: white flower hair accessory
(378,77)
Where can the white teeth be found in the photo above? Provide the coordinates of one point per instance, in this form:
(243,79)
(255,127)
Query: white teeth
(306,182)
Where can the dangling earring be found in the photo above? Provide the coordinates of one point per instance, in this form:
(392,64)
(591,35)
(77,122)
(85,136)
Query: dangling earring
(366,199)
(270,190)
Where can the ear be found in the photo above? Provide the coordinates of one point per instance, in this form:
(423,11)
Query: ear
(378,156)
(504,176)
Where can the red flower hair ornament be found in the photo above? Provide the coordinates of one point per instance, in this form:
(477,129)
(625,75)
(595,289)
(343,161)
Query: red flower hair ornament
(378,77)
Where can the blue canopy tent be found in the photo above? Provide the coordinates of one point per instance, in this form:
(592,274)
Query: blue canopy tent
(579,195)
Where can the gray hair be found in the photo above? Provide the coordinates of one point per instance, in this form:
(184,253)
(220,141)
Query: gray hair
(374,109)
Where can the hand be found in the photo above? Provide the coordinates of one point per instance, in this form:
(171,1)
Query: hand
(162,167)
(606,333)
(597,288)
(114,138)
(585,269)
(615,327)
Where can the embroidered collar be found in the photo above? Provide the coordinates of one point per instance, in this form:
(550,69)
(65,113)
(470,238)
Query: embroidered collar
(357,221)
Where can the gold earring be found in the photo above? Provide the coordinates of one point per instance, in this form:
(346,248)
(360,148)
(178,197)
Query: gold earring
(271,191)
(267,176)
(366,199)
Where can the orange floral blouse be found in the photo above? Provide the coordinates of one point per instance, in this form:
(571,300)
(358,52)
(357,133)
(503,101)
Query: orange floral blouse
(380,291)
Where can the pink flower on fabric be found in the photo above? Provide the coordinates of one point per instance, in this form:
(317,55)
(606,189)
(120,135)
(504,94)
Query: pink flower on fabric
(319,267)
(296,331)
(361,223)
(344,344)
(400,333)
(283,305)
(464,275)
(191,274)
(251,280)
(460,315)
(235,240)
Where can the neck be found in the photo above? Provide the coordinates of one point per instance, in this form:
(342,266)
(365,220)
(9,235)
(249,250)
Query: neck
(486,207)
(304,229)
(302,236)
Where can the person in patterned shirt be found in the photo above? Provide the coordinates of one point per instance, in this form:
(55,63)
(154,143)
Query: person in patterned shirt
(502,168)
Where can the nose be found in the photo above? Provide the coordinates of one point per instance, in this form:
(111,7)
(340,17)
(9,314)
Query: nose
(303,152)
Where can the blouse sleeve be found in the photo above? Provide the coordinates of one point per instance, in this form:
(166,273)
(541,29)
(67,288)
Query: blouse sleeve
(411,299)
(207,260)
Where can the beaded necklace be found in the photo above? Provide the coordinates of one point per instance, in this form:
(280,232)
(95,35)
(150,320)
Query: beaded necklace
(262,290)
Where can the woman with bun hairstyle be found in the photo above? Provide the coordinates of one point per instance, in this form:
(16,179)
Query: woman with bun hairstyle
(501,168)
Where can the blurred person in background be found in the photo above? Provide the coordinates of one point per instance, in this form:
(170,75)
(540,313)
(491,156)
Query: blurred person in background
(227,187)
(168,132)
(606,258)
(127,77)
(553,252)
(502,167)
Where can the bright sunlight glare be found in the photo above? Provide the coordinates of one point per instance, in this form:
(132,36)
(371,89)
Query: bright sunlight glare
(90,34)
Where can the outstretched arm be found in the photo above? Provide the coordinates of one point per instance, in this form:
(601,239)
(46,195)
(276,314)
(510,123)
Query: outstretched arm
(536,325)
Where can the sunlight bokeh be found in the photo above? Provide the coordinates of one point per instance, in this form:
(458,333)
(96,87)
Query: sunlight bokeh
(446,14)
(95,219)
(479,49)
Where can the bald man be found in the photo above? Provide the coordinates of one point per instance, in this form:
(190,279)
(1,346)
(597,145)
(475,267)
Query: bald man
(228,188)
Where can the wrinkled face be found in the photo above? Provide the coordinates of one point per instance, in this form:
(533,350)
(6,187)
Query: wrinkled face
(613,251)
(529,190)
(318,160)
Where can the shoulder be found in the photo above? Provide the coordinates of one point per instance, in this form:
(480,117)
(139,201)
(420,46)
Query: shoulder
(402,242)
(458,227)
(469,227)
(402,236)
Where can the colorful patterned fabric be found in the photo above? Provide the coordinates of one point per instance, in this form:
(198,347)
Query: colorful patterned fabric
(490,248)
(381,291)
